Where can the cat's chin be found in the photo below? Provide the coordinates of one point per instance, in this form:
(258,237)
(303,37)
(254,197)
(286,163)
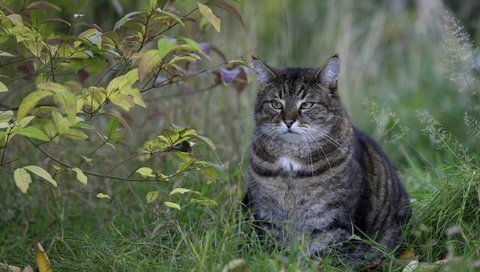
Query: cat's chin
(291,136)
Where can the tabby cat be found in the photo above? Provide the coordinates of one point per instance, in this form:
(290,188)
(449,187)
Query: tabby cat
(313,176)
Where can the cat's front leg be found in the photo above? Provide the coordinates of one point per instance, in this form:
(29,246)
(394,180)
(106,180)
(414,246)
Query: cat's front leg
(321,241)
(344,250)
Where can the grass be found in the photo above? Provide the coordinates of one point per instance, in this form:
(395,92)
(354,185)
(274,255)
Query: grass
(395,58)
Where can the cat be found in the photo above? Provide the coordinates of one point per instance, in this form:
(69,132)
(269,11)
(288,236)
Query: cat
(313,175)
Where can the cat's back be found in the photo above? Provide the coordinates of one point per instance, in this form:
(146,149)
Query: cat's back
(385,201)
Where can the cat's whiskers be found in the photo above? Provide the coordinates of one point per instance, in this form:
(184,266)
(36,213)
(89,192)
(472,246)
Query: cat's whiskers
(309,150)
(317,144)
(332,140)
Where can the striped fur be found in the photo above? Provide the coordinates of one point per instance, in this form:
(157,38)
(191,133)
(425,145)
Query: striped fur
(320,178)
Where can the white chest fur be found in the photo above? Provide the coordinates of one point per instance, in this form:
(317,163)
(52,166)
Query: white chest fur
(288,164)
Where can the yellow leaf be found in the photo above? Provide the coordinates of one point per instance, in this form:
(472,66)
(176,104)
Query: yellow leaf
(119,82)
(145,172)
(172,205)
(51,86)
(148,61)
(6,116)
(124,101)
(29,102)
(22,179)
(152,196)
(208,14)
(234,264)
(102,195)
(182,191)
(16,19)
(136,96)
(42,260)
(80,175)
(94,97)
(182,58)
(41,173)
(407,254)
(25,121)
(3,88)
(68,103)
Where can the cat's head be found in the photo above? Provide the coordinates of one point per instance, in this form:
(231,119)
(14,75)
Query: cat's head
(297,103)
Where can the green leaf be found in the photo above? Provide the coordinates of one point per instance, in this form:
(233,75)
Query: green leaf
(3,88)
(165,46)
(182,191)
(41,173)
(29,102)
(22,179)
(102,195)
(145,172)
(211,18)
(80,175)
(148,61)
(32,132)
(152,196)
(86,159)
(112,129)
(172,205)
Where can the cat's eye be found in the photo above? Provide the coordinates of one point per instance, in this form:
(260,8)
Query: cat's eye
(277,105)
(306,105)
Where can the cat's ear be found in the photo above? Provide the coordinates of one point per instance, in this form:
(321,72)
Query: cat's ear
(264,72)
(328,74)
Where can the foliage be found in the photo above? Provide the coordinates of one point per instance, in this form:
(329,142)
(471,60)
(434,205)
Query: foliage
(84,77)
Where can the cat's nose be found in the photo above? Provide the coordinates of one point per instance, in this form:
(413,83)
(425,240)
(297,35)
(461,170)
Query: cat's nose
(289,123)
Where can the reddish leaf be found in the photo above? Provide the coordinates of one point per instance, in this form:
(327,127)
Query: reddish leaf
(240,82)
(82,75)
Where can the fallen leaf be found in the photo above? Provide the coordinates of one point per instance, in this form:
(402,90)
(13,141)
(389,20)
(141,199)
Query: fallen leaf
(407,254)
(234,264)
(28,268)
(42,260)
(9,268)
(411,266)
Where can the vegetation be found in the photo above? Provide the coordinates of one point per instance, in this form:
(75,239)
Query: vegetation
(106,106)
